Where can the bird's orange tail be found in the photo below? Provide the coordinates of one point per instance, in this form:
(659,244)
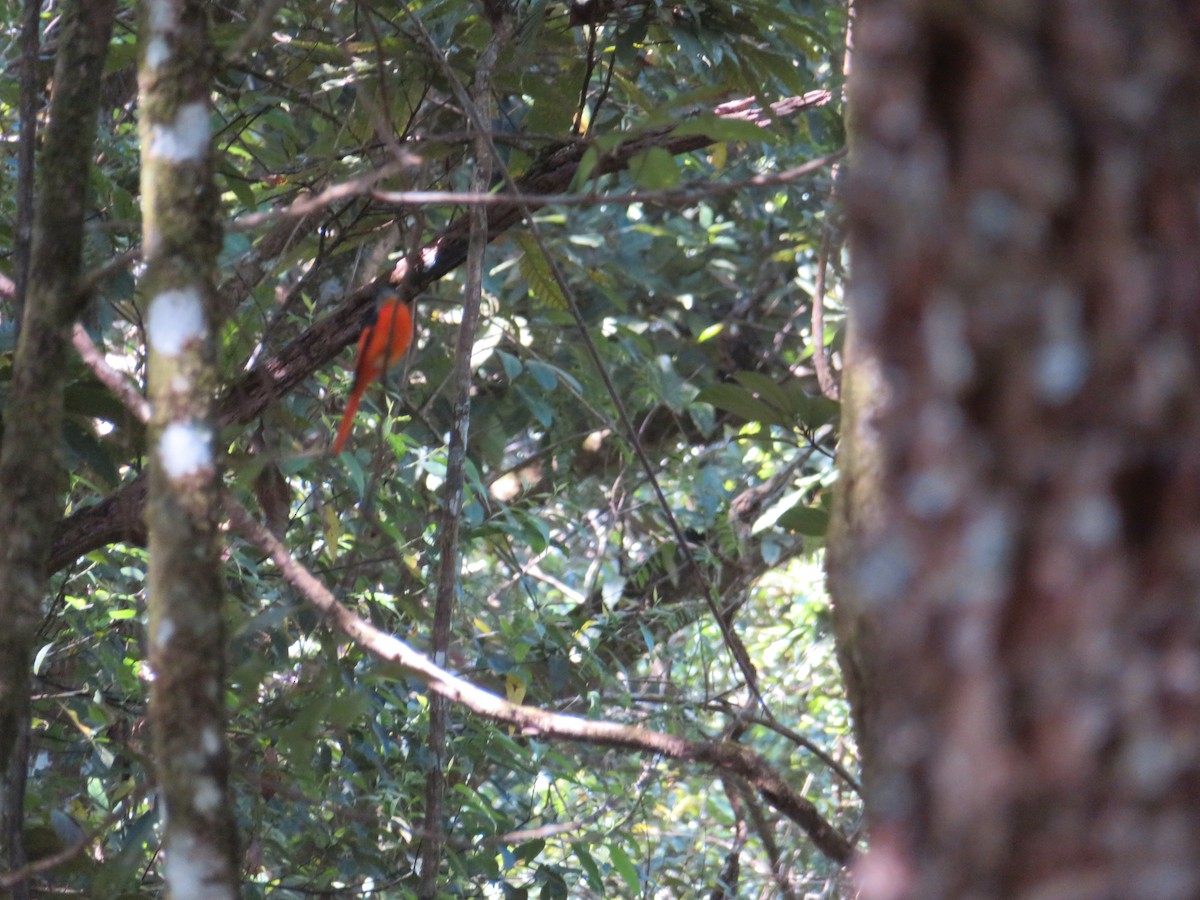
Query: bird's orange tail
(347,423)
(381,343)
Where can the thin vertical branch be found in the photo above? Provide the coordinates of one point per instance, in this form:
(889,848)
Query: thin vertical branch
(727,879)
(453,490)
(26,147)
(821,363)
(589,68)
(766,835)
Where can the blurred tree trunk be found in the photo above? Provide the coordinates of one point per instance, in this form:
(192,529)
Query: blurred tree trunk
(31,474)
(1016,553)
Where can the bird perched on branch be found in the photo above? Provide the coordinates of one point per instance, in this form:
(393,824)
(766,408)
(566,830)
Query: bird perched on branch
(385,339)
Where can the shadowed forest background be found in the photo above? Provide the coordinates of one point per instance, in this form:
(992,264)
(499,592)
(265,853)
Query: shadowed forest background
(711,301)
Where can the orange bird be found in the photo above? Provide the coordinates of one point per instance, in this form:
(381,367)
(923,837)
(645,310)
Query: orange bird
(381,344)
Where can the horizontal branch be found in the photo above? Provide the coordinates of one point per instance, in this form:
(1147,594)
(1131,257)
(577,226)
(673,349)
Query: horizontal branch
(667,196)
(364,185)
(118,516)
(725,756)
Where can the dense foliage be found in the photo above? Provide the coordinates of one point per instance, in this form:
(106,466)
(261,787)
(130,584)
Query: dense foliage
(696,285)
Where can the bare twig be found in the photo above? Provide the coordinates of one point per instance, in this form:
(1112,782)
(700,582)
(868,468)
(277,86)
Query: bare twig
(118,385)
(310,203)
(766,835)
(821,363)
(121,261)
(589,68)
(821,754)
(365,185)
(727,880)
(263,19)
(528,834)
(666,197)
(26,146)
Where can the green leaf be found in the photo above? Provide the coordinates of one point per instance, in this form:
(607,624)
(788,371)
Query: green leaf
(587,164)
(766,389)
(655,170)
(592,871)
(529,850)
(536,270)
(40,659)
(541,410)
(122,54)
(807,520)
(719,129)
(741,403)
(544,375)
(809,410)
(512,365)
(554,887)
(625,868)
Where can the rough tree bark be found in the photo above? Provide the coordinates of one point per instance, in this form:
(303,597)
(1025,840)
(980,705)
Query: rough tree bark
(31,475)
(1016,562)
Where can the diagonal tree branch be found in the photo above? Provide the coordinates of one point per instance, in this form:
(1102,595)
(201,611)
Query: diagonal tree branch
(110,519)
(725,756)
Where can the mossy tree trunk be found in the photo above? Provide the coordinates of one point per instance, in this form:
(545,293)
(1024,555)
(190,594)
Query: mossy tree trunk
(31,473)
(181,240)
(1016,560)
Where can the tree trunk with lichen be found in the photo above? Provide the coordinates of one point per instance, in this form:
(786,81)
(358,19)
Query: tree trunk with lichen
(31,474)
(181,239)
(1016,555)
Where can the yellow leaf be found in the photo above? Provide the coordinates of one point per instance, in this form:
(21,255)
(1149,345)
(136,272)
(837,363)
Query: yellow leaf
(514,688)
(332,529)
(536,269)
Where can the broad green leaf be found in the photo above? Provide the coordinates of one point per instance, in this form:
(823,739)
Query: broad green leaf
(721,129)
(544,375)
(767,390)
(741,403)
(655,169)
(592,871)
(807,520)
(587,164)
(625,868)
(536,270)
